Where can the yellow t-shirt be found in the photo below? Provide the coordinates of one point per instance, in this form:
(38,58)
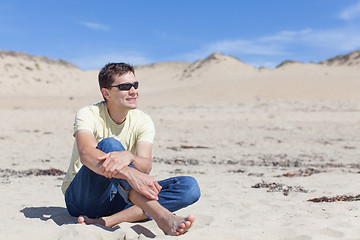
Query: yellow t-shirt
(137,126)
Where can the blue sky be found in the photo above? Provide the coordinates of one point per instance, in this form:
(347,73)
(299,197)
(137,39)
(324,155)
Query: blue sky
(258,32)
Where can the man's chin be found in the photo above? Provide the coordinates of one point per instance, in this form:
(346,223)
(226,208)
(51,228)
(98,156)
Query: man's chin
(132,106)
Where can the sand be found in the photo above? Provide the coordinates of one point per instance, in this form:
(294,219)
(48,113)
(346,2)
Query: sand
(260,142)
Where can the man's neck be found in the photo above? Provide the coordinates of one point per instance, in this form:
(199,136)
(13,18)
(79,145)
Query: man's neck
(117,115)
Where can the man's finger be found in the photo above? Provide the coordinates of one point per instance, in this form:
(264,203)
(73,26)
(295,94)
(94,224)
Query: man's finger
(101,158)
(105,172)
(109,166)
(114,173)
(148,192)
(155,191)
(107,163)
(152,195)
(158,186)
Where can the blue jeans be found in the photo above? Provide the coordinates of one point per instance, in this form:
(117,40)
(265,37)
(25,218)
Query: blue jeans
(96,196)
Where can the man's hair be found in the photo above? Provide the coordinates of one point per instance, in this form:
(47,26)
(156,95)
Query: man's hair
(106,74)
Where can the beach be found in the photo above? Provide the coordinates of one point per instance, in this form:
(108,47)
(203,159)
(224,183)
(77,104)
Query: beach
(275,151)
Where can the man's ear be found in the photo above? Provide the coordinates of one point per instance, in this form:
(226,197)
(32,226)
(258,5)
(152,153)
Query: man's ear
(105,93)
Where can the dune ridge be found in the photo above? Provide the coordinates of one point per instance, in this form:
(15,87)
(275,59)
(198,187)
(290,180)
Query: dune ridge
(351,59)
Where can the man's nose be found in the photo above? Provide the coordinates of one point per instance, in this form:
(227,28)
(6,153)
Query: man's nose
(132,90)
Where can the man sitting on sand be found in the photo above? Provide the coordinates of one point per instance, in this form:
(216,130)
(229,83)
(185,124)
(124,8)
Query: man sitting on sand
(108,178)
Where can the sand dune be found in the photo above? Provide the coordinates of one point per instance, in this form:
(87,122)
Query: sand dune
(217,78)
(352,60)
(261,143)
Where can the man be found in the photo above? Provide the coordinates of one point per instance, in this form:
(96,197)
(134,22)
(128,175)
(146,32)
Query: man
(107,181)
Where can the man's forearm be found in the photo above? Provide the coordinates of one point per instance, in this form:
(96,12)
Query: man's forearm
(126,173)
(142,164)
(88,157)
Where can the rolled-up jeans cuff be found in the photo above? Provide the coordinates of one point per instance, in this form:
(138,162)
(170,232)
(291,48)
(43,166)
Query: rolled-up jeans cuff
(150,218)
(123,190)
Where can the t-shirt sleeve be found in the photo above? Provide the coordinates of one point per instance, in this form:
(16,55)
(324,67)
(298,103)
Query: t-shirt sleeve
(147,130)
(84,119)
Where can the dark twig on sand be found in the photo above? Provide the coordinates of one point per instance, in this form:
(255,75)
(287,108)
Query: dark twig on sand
(36,172)
(187,147)
(340,198)
(300,173)
(278,187)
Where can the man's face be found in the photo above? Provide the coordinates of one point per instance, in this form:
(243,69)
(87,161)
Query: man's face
(123,99)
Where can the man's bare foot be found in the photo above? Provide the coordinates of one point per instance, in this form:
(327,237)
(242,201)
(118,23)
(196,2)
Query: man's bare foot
(87,220)
(176,225)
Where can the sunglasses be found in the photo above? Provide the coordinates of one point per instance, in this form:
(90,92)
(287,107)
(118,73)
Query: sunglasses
(126,86)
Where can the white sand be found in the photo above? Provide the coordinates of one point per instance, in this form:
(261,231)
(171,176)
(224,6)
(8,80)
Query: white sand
(255,125)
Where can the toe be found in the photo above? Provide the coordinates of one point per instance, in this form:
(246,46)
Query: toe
(182,225)
(191,218)
(81,219)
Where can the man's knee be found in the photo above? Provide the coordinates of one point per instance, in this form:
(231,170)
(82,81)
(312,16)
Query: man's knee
(192,190)
(110,145)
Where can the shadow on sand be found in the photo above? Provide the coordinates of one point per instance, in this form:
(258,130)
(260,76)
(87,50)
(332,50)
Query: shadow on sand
(58,214)
(61,217)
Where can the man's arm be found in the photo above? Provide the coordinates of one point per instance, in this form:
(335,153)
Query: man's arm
(141,160)
(88,152)
(117,164)
(143,157)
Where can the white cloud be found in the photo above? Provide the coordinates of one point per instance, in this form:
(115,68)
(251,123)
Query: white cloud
(236,47)
(345,39)
(285,44)
(98,61)
(285,36)
(350,12)
(95,26)
(245,47)
(272,45)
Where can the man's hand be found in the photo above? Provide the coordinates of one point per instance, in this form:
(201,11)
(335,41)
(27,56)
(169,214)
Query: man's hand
(114,162)
(143,184)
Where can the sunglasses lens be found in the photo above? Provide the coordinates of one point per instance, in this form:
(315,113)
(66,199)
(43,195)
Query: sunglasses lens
(136,85)
(124,86)
(128,86)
